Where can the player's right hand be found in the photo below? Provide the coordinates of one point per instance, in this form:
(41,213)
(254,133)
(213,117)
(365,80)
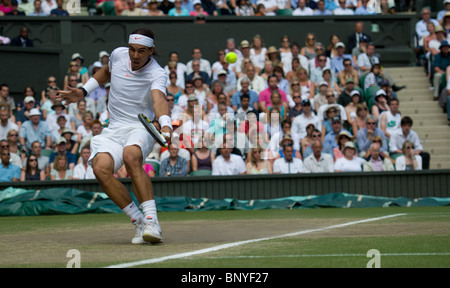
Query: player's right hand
(73,95)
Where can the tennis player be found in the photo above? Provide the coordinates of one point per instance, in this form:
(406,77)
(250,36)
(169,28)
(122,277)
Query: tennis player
(138,85)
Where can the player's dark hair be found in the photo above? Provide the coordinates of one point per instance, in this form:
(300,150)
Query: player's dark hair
(146,32)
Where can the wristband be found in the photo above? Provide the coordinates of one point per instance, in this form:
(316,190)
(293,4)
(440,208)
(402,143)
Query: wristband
(90,85)
(84,91)
(165,120)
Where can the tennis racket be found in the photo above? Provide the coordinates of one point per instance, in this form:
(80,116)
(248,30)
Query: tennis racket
(156,134)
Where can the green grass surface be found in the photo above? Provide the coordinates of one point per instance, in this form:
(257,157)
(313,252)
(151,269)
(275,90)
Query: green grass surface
(421,238)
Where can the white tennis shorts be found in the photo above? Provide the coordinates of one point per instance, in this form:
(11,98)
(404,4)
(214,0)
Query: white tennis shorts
(113,141)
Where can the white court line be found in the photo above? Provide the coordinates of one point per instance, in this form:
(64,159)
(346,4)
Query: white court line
(330,255)
(234,244)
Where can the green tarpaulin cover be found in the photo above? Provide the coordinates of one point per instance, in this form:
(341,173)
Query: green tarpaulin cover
(21,202)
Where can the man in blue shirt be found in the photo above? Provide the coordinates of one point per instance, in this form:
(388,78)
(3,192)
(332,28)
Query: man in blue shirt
(337,63)
(35,130)
(236,98)
(322,10)
(8,171)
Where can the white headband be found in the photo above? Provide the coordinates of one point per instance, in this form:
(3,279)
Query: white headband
(141,40)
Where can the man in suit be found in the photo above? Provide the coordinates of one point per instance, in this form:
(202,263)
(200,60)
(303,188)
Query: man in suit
(22,40)
(353,39)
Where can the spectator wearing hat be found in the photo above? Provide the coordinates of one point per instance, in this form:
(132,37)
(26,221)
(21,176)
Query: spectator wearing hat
(337,127)
(348,72)
(331,100)
(241,64)
(35,130)
(60,150)
(380,103)
(346,96)
(301,121)
(55,120)
(72,142)
(337,63)
(440,64)
(14,9)
(350,162)
(80,60)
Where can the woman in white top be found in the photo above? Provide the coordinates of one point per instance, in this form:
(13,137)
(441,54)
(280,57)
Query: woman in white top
(258,53)
(349,163)
(409,161)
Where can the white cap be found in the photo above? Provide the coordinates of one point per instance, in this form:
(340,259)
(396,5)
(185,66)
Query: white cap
(195,2)
(221,72)
(34,112)
(355,92)
(29,99)
(339,44)
(61,140)
(102,54)
(97,64)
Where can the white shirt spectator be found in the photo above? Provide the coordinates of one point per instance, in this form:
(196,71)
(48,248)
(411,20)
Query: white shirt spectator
(340,12)
(400,163)
(303,12)
(345,165)
(234,166)
(324,165)
(298,128)
(80,172)
(398,138)
(5,129)
(282,166)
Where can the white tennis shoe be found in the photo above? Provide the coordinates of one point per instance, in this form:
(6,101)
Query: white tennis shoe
(151,231)
(138,230)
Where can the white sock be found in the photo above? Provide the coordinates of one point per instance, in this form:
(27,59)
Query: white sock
(132,211)
(149,210)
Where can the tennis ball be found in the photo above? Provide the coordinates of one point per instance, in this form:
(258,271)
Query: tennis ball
(231,57)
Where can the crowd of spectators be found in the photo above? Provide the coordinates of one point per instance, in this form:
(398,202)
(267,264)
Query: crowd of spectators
(295,108)
(204,8)
(432,51)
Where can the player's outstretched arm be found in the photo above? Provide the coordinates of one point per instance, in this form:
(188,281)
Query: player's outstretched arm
(161,110)
(73,95)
